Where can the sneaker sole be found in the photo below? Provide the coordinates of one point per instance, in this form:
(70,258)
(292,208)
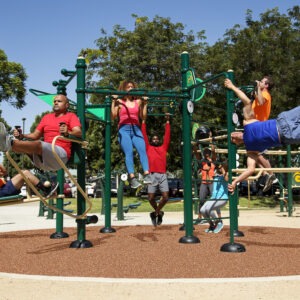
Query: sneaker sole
(159,222)
(153,220)
(217,230)
(52,191)
(136,186)
(3,134)
(268,184)
(147,182)
(3,130)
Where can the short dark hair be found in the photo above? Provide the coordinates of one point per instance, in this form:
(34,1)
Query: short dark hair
(270,82)
(206,151)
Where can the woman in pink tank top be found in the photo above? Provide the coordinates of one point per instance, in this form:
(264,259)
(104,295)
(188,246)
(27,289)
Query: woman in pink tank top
(130,110)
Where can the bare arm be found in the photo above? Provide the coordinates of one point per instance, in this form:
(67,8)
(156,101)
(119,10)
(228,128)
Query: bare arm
(76,131)
(3,171)
(213,149)
(143,108)
(260,98)
(115,106)
(248,112)
(36,135)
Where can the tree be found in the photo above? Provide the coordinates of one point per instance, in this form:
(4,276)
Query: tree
(150,56)
(12,82)
(269,46)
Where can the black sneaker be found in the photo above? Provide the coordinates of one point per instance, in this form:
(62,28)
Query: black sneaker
(47,193)
(53,189)
(269,182)
(160,217)
(153,218)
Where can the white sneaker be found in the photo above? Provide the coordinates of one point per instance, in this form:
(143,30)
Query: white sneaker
(134,183)
(5,139)
(147,179)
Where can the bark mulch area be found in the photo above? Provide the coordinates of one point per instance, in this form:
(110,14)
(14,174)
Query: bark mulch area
(148,252)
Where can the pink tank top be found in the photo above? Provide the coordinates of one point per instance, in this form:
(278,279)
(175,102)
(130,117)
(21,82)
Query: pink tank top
(129,115)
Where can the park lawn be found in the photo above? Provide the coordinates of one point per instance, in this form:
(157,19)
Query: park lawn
(173,206)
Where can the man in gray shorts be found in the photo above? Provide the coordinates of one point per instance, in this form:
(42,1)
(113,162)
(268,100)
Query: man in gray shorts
(157,157)
(59,122)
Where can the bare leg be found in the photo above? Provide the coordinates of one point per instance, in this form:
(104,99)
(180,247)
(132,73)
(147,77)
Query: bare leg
(151,198)
(28,147)
(18,180)
(164,199)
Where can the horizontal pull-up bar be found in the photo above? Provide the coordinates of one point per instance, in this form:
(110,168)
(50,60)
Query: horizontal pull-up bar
(270,152)
(275,170)
(211,139)
(136,93)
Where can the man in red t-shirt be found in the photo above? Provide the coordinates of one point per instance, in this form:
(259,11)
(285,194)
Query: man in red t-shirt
(157,157)
(60,122)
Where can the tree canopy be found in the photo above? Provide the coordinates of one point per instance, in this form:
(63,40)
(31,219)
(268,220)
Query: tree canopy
(150,56)
(12,82)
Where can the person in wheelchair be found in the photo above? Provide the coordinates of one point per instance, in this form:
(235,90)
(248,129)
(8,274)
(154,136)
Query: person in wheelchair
(59,122)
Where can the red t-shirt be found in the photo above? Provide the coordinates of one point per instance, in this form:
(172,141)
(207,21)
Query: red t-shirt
(157,156)
(49,127)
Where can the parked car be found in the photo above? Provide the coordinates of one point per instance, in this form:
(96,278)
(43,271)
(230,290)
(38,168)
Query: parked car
(175,187)
(113,188)
(243,188)
(89,189)
(67,190)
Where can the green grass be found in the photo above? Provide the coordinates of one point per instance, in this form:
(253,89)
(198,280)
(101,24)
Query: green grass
(254,203)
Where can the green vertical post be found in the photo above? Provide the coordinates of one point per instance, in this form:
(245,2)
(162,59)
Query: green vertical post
(290,192)
(61,89)
(233,203)
(233,199)
(60,204)
(81,242)
(107,185)
(280,178)
(187,156)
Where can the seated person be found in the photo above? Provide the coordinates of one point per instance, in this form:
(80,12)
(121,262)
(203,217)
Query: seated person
(60,122)
(13,186)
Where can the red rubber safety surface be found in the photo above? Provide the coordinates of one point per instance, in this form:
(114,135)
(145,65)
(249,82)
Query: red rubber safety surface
(148,252)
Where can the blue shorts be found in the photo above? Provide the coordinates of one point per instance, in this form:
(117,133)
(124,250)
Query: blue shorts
(8,189)
(160,181)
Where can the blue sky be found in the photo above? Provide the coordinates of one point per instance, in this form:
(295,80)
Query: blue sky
(46,36)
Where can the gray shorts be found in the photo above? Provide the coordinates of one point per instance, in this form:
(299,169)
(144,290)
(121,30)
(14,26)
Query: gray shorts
(48,161)
(160,182)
